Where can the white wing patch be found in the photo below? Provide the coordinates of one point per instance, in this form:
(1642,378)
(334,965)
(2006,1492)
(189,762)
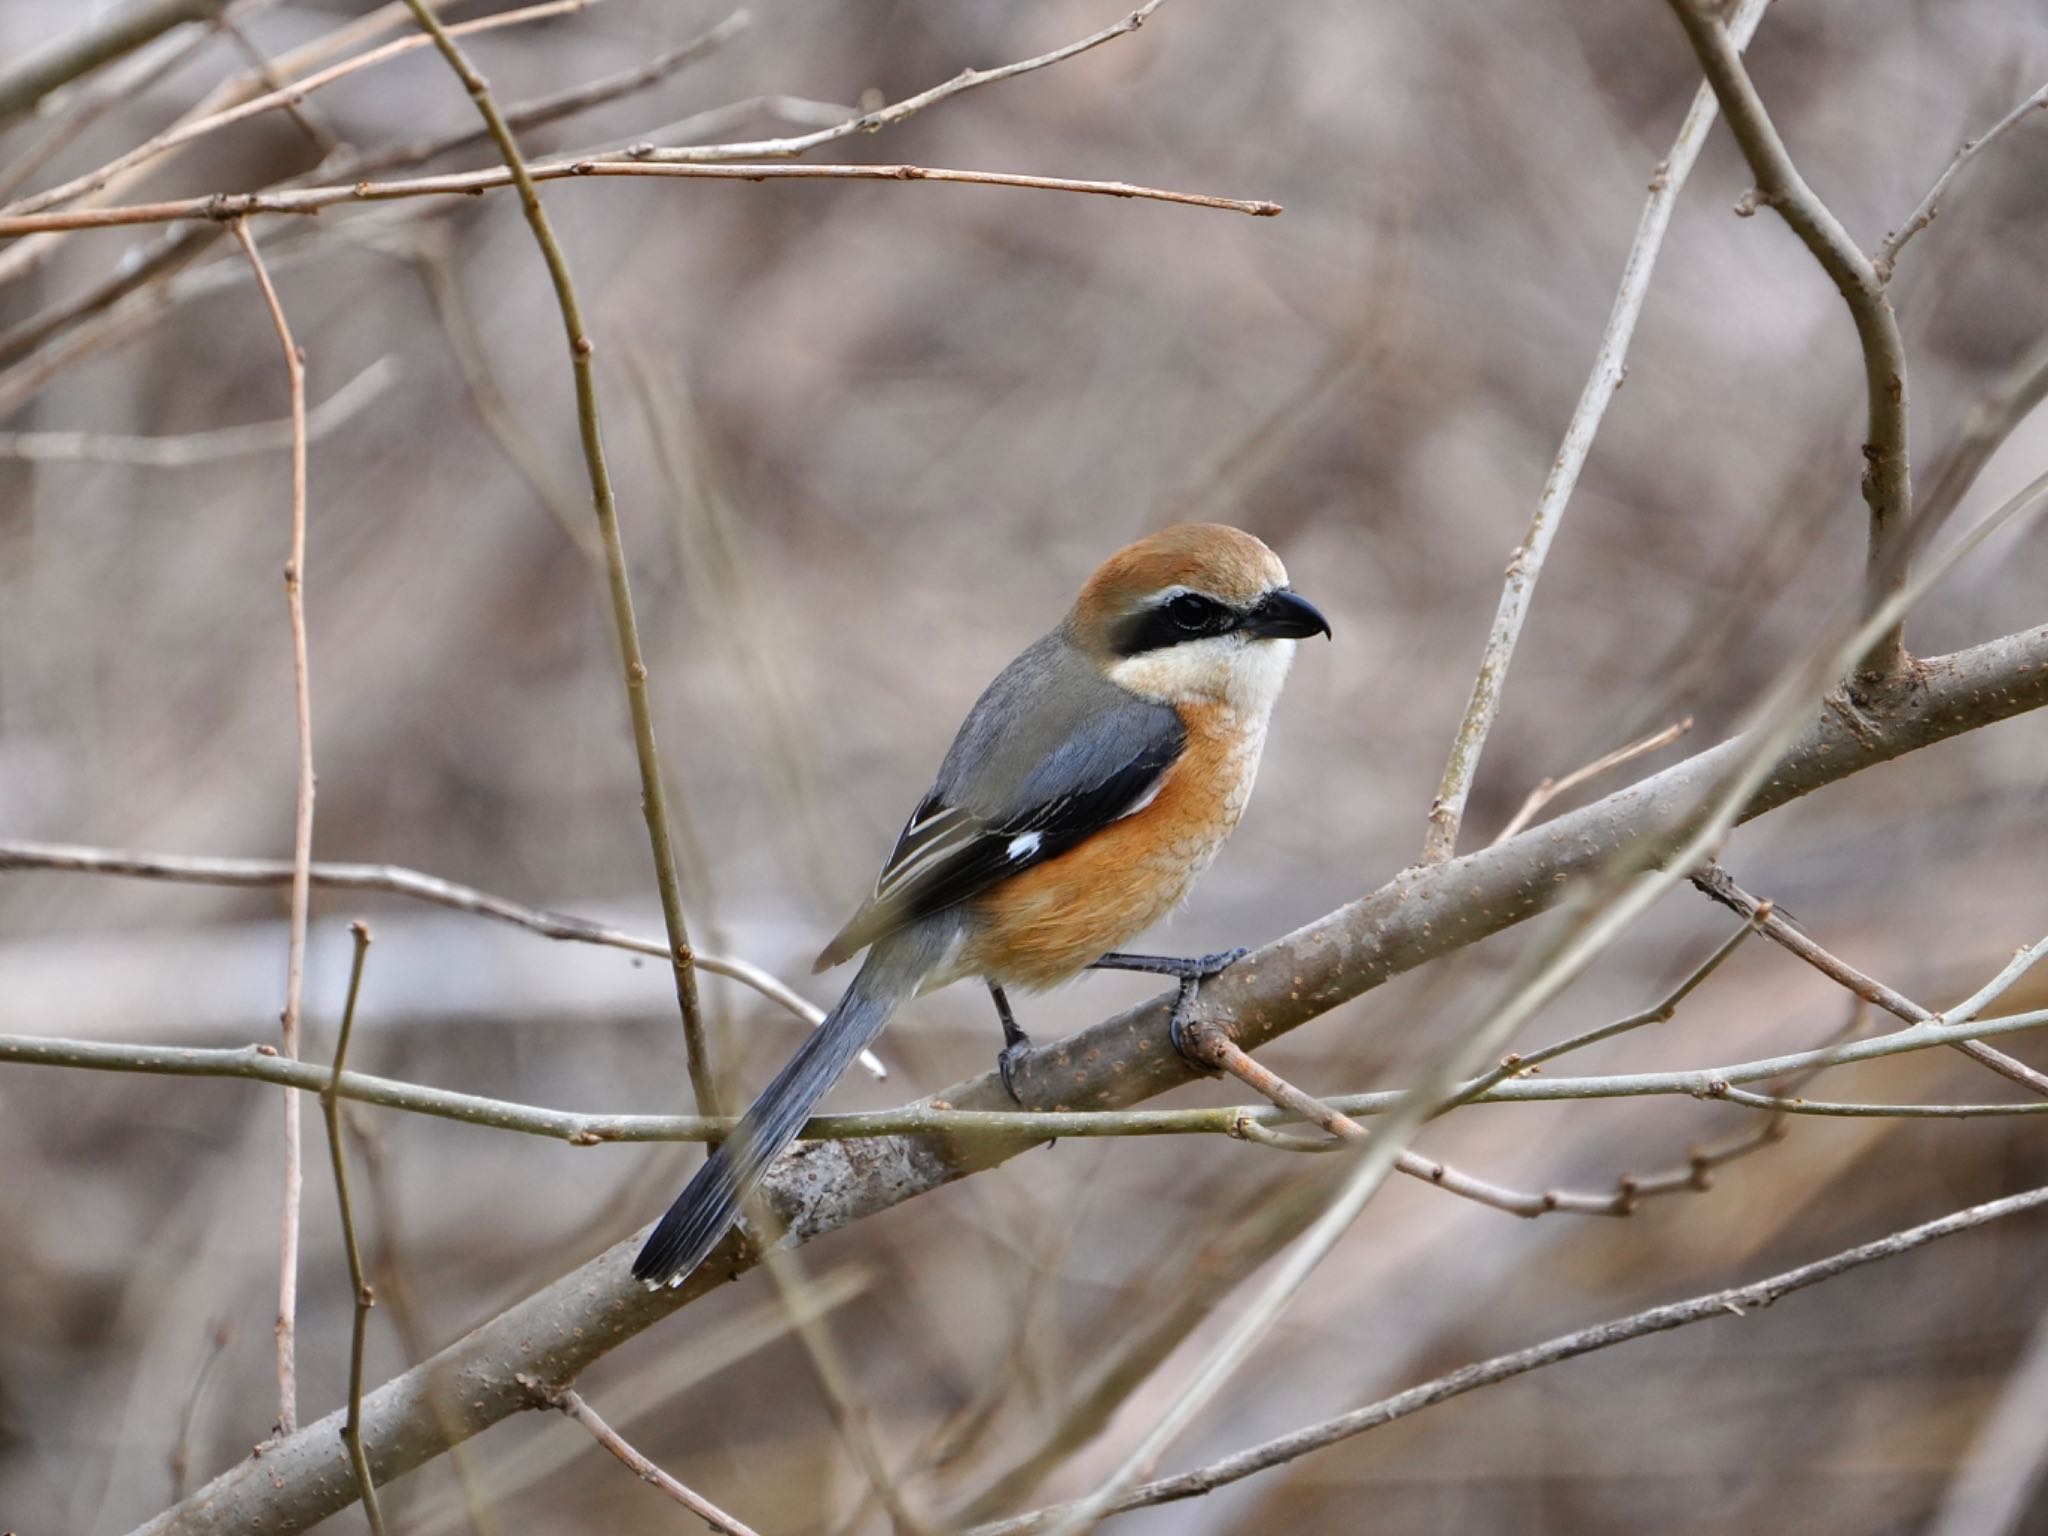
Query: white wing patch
(1023,845)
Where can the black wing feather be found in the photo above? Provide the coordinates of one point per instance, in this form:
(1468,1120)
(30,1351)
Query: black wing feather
(975,853)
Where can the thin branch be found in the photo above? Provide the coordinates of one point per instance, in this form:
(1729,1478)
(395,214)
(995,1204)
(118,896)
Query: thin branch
(209,447)
(939,1117)
(359,1285)
(179,246)
(1548,790)
(556,1332)
(1737,1301)
(1717,883)
(183,133)
(220,206)
(432,256)
(895,112)
(1525,566)
(653,796)
(1888,248)
(1660,1012)
(96,101)
(790,109)
(1835,1109)
(1211,1045)
(302,843)
(1991,419)
(1887,476)
(572,1404)
(99,43)
(26,256)
(394,880)
(564,103)
(1190,1281)
(179,1461)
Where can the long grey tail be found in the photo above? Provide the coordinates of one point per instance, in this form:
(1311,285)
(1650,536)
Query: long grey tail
(710,1203)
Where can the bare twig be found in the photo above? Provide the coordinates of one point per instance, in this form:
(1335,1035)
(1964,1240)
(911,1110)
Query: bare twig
(565,103)
(1195,1278)
(1211,1045)
(397,881)
(1888,248)
(150,264)
(895,112)
(1737,1301)
(1784,1104)
(202,447)
(25,256)
(1015,1128)
(790,109)
(302,843)
(1720,885)
(179,1461)
(431,255)
(1657,1013)
(95,102)
(310,200)
(182,133)
(359,1285)
(179,246)
(1990,420)
(653,794)
(572,1404)
(1548,790)
(1525,566)
(101,42)
(1887,477)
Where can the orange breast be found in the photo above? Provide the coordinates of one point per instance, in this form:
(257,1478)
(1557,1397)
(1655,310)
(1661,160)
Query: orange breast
(1039,928)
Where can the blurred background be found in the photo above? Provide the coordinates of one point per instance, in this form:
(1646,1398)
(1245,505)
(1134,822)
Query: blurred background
(868,440)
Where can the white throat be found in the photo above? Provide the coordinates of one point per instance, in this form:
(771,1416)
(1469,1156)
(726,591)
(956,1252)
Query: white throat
(1242,674)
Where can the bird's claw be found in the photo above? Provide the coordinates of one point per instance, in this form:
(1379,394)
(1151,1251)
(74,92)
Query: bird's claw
(1008,1059)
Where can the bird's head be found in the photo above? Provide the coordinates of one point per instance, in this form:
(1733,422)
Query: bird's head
(1199,613)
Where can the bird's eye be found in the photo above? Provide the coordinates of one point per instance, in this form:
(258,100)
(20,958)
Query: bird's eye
(1190,612)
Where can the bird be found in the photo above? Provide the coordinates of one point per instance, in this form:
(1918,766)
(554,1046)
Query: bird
(1090,785)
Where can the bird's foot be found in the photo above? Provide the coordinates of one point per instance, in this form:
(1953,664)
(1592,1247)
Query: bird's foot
(1008,1059)
(1190,971)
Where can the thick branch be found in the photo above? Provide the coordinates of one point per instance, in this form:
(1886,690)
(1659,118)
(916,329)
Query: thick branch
(1420,915)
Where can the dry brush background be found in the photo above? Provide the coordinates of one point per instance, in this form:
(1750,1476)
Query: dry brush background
(868,438)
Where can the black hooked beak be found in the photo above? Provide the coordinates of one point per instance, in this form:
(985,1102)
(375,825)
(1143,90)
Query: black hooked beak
(1282,615)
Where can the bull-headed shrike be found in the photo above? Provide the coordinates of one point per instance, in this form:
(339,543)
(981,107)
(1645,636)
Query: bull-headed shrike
(1090,785)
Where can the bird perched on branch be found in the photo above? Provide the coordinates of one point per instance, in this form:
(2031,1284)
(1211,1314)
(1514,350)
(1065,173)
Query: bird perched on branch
(1091,783)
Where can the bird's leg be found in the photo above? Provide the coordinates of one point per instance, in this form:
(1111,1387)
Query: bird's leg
(1016,1044)
(1189,970)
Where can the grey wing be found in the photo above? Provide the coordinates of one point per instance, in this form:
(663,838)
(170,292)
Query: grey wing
(1045,759)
